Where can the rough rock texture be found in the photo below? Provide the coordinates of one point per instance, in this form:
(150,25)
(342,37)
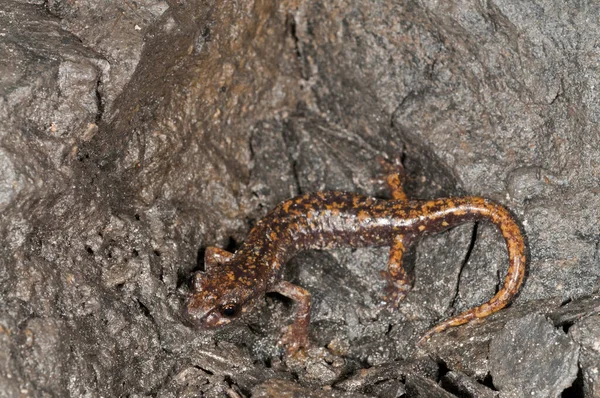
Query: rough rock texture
(135,134)
(464,386)
(587,333)
(287,389)
(531,358)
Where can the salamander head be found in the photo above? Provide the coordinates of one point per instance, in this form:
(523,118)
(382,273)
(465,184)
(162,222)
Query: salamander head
(218,297)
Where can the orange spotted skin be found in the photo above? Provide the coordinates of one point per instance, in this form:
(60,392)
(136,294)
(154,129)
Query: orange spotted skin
(232,283)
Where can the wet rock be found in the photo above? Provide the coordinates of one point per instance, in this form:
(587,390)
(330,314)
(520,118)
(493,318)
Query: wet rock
(110,195)
(119,39)
(111,274)
(530,357)
(49,100)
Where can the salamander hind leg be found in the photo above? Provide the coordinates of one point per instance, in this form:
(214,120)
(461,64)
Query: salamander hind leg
(295,336)
(394,177)
(399,282)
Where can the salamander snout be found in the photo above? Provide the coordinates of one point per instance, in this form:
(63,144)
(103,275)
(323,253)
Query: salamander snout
(217,297)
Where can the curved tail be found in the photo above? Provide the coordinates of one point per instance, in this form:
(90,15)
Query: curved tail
(477,208)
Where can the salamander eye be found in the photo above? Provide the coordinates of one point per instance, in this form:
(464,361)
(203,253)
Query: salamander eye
(229,310)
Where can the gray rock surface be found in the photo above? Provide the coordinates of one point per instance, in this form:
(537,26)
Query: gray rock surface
(418,386)
(464,386)
(587,333)
(114,29)
(531,358)
(135,134)
(287,389)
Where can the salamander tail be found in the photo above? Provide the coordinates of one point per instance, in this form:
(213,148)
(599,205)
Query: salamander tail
(483,209)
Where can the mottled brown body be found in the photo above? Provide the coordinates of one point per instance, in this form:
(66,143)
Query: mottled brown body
(326,220)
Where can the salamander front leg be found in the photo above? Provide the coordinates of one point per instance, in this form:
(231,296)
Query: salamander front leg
(295,336)
(213,256)
(399,282)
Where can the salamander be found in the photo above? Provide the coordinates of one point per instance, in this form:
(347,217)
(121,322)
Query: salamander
(232,283)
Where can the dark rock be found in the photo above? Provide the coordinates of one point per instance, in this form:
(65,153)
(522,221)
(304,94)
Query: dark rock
(531,357)
(418,386)
(49,101)
(318,367)
(483,272)
(465,386)
(466,348)
(388,378)
(271,163)
(115,31)
(288,389)
(587,334)
(574,310)
(135,134)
